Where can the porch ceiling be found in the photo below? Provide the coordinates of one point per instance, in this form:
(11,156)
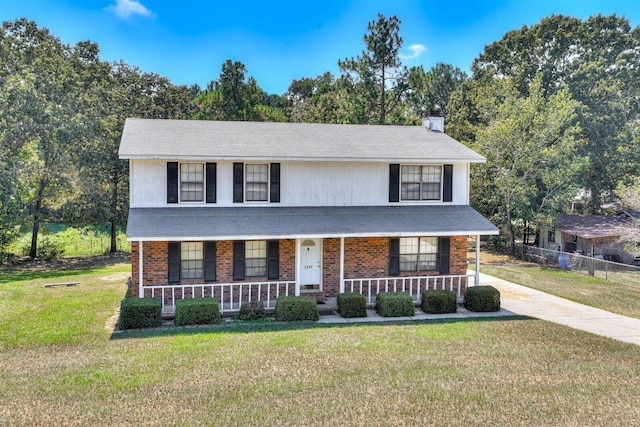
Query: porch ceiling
(246,223)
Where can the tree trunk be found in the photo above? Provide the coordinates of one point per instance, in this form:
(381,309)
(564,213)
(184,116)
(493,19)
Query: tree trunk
(382,101)
(33,252)
(512,233)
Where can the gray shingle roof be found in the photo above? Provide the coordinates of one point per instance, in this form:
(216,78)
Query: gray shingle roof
(199,139)
(243,223)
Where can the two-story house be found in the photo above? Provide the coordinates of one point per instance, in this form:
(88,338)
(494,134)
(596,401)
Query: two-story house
(247,210)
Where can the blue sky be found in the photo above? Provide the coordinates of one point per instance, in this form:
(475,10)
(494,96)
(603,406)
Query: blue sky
(278,41)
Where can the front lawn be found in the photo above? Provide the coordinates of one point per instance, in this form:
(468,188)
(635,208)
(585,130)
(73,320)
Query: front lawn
(61,365)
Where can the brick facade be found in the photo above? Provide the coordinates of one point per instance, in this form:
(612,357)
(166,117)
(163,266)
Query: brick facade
(364,258)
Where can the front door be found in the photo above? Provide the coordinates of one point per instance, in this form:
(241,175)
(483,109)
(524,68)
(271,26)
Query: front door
(311,265)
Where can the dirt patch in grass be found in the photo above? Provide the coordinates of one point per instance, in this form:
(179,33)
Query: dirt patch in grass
(26,264)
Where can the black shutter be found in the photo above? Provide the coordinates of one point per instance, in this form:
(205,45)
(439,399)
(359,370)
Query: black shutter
(447,180)
(445,250)
(394,257)
(209,261)
(238,260)
(211,182)
(238,186)
(394,183)
(273,259)
(174,262)
(275,183)
(172,182)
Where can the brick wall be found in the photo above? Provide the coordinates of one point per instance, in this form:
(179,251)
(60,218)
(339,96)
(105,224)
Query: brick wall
(364,257)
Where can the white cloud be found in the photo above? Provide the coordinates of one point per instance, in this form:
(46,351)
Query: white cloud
(416,50)
(126,8)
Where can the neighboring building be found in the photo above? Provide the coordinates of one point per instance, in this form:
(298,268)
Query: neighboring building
(597,235)
(247,210)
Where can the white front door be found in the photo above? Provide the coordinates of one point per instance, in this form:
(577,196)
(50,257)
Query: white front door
(310,265)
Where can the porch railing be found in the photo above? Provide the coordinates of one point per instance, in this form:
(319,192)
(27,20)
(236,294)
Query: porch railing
(229,295)
(414,286)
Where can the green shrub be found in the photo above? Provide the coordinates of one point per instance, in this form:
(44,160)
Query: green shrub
(252,310)
(197,311)
(395,304)
(351,304)
(439,302)
(291,308)
(140,313)
(482,298)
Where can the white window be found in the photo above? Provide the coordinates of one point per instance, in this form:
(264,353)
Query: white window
(421,182)
(191,264)
(192,182)
(419,254)
(257,183)
(255,258)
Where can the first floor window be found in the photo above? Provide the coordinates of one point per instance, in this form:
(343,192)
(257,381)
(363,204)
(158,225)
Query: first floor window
(257,183)
(419,254)
(256,258)
(191,260)
(191,182)
(551,236)
(421,182)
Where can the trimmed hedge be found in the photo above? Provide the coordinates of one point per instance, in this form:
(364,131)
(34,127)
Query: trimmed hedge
(439,302)
(140,313)
(351,304)
(197,311)
(482,299)
(252,310)
(292,308)
(395,304)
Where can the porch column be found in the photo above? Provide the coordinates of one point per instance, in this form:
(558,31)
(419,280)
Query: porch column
(477,260)
(140,269)
(297,290)
(342,265)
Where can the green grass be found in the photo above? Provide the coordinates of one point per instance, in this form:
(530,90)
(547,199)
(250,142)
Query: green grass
(69,241)
(607,295)
(60,365)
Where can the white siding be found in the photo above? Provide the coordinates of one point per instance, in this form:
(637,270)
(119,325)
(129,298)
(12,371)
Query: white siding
(302,184)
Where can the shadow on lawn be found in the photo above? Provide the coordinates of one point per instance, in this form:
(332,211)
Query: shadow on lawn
(27,269)
(240,327)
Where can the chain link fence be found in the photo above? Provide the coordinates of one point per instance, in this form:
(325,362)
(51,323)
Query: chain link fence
(595,267)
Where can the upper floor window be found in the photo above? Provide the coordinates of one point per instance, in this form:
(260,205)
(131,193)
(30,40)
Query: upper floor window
(421,182)
(191,182)
(257,182)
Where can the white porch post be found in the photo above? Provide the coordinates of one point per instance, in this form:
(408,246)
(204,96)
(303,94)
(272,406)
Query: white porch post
(477,260)
(297,291)
(140,269)
(342,265)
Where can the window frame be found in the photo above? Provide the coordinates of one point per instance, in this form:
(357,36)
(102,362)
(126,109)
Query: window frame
(248,246)
(421,183)
(246,182)
(198,263)
(432,260)
(204,182)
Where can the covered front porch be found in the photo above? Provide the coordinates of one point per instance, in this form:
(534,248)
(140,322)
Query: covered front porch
(319,252)
(314,276)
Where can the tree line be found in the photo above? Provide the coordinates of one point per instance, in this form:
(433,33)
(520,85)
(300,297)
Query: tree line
(554,108)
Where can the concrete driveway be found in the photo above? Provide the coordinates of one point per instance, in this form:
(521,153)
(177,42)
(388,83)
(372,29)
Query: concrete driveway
(530,302)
